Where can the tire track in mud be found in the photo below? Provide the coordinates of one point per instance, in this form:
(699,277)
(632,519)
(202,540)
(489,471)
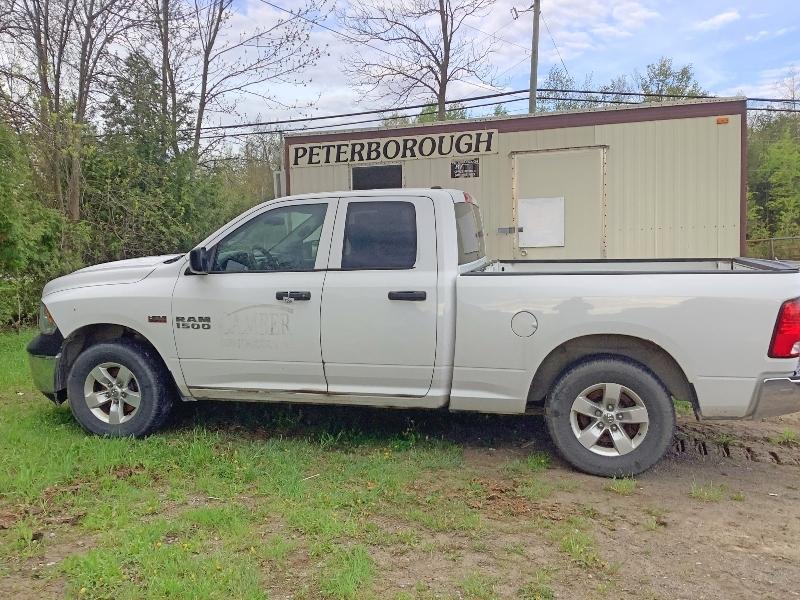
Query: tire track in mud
(703,439)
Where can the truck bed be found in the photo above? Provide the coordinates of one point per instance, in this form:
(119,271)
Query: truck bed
(707,314)
(634,266)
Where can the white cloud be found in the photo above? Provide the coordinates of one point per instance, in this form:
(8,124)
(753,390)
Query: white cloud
(769,83)
(717,21)
(765,34)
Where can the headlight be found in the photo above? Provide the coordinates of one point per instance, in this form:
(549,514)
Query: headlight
(46,323)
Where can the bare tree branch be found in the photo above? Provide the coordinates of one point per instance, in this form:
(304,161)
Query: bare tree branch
(420,49)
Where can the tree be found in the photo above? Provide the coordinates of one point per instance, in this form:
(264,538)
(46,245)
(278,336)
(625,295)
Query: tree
(230,66)
(662,77)
(61,50)
(455,111)
(500,111)
(773,165)
(414,49)
(556,95)
(176,38)
(30,234)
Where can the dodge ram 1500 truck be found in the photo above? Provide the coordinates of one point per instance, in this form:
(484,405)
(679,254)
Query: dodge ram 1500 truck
(386,298)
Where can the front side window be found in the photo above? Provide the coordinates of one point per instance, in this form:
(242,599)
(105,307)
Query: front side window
(380,235)
(281,239)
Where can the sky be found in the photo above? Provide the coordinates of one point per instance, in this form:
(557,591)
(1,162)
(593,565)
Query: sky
(736,47)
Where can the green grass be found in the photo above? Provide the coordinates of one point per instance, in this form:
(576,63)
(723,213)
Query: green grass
(533,463)
(477,586)
(724,439)
(574,539)
(14,377)
(652,523)
(624,486)
(263,501)
(707,492)
(787,437)
(210,510)
(538,588)
(683,408)
(349,571)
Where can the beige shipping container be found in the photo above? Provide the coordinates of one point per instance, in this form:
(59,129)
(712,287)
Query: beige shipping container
(648,181)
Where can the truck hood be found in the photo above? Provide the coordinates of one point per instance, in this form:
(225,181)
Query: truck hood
(119,271)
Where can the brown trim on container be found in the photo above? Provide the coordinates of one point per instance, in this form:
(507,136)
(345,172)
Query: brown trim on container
(555,121)
(743,187)
(286,170)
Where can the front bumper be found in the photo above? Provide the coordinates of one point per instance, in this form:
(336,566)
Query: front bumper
(44,356)
(776,395)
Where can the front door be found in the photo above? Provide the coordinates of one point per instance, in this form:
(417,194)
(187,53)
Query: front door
(253,323)
(379,305)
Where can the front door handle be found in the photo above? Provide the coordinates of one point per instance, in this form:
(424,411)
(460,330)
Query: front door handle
(292,296)
(408,296)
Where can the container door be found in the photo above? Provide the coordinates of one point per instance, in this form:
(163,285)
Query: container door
(559,204)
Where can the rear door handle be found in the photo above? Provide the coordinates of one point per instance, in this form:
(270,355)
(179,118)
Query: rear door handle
(292,296)
(408,296)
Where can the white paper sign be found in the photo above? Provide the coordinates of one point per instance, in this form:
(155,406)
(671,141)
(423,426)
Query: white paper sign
(542,222)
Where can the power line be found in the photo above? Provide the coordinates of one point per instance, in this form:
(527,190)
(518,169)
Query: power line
(355,114)
(771,109)
(552,39)
(515,65)
(383,119)
(383,111)
(460,100)
(494,36)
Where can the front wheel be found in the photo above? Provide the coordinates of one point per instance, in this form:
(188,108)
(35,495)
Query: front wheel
(610,416)
(119,389)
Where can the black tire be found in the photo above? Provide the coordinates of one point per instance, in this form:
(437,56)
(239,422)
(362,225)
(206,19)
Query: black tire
(152,382)
(652,394)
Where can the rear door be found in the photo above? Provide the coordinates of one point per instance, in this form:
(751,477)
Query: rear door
(379,304)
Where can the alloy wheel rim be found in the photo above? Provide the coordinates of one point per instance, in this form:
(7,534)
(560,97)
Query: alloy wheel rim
(609,419)
(112,393)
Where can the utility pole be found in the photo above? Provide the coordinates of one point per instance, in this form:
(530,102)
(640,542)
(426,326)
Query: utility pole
(536,9)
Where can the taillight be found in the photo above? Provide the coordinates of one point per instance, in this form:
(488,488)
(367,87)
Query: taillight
(786,337)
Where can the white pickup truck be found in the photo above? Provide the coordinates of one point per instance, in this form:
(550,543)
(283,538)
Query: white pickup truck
(385,298)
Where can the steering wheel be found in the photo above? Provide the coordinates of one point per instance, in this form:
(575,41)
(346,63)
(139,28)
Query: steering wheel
(270,260)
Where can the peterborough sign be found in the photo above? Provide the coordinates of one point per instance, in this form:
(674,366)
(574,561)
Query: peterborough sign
(436,145)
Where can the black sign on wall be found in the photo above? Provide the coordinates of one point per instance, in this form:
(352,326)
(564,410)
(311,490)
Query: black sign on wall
(465,168)
(377,177)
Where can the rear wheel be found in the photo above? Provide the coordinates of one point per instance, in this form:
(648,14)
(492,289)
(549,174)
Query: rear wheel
(119,389)
(610,416)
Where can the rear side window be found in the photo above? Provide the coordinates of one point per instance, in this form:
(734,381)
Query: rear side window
(380,235)
(469,229)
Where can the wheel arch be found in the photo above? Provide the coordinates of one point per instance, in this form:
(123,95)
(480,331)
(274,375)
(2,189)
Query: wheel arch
(639,350)
(88,335)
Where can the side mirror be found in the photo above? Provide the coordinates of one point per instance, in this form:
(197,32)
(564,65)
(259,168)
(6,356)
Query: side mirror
(198,261)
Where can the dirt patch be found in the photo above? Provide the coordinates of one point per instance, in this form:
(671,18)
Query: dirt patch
(659,542)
